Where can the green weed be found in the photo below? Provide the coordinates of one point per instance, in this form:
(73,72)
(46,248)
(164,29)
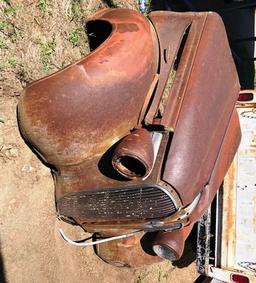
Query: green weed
(148,3)
(9,30)
(13,37)
(4,25)
(47,50)
(22,34)
(74,37)
(76,12)
(141,278)
(9,10)
(42,5)
(162,275)
(13,61)
(2,43)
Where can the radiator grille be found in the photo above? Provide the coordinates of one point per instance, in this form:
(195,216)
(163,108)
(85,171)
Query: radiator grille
(118,203)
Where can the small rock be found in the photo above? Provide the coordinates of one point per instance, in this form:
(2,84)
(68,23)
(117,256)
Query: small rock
(12,152)
(27,168)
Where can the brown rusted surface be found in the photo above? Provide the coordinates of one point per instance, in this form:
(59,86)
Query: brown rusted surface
(80,111)
(188,57)
(170,245)
(209,99)
(73,117)
(127,252)
(99,173)
(171,28)
(227,152)
(68,185)
(134,155)
(147,99)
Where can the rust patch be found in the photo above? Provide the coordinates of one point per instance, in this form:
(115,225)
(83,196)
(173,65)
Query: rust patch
(121,28)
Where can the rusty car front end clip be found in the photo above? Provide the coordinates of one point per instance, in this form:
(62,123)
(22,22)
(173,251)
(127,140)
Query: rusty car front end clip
(140,132)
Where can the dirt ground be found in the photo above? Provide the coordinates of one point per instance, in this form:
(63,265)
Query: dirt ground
(38,37)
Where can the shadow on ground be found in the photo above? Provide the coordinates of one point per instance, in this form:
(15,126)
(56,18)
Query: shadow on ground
(2,271)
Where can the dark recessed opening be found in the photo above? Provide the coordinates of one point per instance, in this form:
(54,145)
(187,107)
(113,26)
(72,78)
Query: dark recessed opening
(181,48)
(165,252)
(98,31)
(165,56)
(132,165)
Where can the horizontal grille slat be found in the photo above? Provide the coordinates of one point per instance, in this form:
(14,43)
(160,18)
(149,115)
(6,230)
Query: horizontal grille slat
(137,202)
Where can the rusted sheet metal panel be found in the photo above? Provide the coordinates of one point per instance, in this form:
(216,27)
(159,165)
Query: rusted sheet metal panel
(239,206)
(171,27)
(171,244)
(76,117)
(223,162)
(128,252)
(210,94)
(185,59)
(78,112)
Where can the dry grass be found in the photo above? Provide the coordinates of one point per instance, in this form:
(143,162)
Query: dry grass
(35,40)
(38,37)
